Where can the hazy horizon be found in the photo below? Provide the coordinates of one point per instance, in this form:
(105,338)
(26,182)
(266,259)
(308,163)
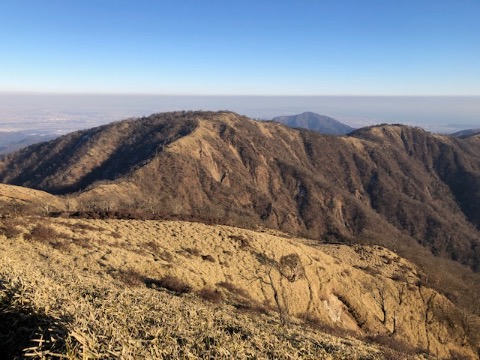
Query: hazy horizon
(64,113)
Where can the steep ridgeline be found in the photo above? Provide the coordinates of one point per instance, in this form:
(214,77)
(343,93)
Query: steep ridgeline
(394,185)
(311,121)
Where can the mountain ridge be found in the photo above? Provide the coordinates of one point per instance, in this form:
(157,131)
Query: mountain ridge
(466,133)
(223,167)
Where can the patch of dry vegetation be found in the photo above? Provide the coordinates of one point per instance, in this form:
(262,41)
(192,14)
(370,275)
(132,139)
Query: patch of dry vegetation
(150,289)
(63,310)
(10,228)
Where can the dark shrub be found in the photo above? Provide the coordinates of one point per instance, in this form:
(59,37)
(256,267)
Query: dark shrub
(233,289)
(166,256)
(208,258)
(42,233)
(192,251)
(242,240)
(9,229)
(210,295)
(130,277)
(169,282)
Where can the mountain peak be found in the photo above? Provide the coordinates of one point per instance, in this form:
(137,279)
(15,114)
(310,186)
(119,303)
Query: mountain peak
(312,121)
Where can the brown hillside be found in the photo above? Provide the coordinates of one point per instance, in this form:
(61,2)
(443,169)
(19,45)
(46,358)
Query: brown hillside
(223,167)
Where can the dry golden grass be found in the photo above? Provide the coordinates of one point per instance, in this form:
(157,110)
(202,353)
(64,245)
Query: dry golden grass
(23,195)
(165,289)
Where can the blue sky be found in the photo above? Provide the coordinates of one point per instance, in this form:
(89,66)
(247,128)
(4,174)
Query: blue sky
(243,47)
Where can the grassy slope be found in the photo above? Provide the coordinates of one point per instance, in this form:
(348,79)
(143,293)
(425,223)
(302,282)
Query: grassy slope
(94,314)
(86,281)
(11,195)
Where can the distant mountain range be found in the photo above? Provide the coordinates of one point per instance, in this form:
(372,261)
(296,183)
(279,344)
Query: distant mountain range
(312,121)
(465,133)
(14,140)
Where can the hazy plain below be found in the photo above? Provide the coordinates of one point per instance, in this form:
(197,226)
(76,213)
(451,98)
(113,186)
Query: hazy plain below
(41,113)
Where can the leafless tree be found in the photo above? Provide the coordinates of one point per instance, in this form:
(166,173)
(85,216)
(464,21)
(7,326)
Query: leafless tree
(400,293)
(380,295)
(428,302)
